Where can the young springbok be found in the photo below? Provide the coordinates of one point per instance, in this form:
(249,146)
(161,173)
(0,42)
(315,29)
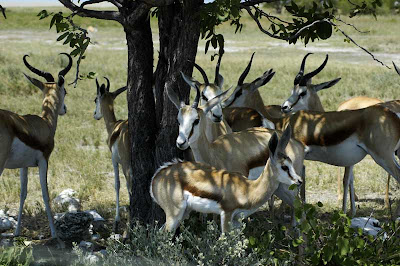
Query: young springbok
(118,139)
(28,140)
(180,187)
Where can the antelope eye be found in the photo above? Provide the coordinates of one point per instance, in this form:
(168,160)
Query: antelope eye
(196,121)
(95,100)
(303,94)
(285,168)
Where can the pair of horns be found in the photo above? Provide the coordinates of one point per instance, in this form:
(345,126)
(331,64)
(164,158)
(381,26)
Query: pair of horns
(302,79)
(107,88)
(203,73)
(46,75)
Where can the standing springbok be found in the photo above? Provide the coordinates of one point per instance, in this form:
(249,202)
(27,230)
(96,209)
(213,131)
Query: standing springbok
(215,124)
(28,140)
(245,152)
(181,187)
(118,139)
(305,97)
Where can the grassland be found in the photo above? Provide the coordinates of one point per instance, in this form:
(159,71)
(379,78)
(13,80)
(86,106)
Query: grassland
(81,159)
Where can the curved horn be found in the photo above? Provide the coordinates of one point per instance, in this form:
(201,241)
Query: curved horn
(246,71)
(397,69)
(299,75)
(68,67)
(108,84)
(43,74)
(216,80)
(98,86)
(203,73)
(315,72)
(197,99)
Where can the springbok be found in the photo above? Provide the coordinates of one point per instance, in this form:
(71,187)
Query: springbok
(245,152)
(118,139)
(28,140)
(215,124)
(305,97)
(180,187)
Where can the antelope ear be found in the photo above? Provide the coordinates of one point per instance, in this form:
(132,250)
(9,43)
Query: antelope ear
(35,82)
(191,81)
(272,146)
(325,85)
(283,142)
(214,101)
(261,81)
(173,97)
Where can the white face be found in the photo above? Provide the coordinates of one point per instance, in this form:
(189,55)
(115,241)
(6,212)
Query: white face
(189,123)
(97,112)
(298,100)
(286,173)
(210,92)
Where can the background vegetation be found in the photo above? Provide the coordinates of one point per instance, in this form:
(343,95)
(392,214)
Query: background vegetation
(81,159)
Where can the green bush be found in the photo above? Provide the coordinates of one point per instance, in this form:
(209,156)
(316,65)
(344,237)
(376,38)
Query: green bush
(16,255)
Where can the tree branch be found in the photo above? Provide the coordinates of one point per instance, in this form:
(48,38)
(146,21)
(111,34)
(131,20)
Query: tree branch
(261,27)
(90,2)
(362,48)
(107,15)
(306,27)
(256,2)
(158,3)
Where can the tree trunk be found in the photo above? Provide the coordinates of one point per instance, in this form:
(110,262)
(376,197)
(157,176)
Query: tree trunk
(152,118)
(141,116)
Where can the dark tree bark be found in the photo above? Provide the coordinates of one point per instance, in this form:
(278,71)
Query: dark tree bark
(179,36)
(152,117)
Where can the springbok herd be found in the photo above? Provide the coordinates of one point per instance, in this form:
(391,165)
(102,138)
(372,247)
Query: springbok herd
(244,151)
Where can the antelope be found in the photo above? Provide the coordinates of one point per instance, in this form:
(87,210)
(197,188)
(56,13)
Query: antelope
(304,97)
(344,138)
(245,152)
(246,95)
(180,187)
(28,140)
(215,124)
(118,139)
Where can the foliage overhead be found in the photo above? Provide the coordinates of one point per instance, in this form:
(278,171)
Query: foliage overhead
(310,21)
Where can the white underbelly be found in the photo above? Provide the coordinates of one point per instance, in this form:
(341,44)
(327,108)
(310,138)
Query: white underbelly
(202,205)
(22,155)
(346,153)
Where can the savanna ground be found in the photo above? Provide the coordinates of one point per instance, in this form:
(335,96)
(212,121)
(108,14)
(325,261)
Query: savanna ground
(81,159)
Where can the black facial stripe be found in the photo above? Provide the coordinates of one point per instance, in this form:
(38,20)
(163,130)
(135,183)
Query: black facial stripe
(204,97)
(191,131)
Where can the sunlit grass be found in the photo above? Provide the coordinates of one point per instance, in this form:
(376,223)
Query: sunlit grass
(81,159)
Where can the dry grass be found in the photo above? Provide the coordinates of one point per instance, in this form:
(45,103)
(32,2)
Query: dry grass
(81,160)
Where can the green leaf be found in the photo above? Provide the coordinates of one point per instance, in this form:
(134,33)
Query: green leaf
(53,20)
(69,38)
(343,245)
(75,52)
(63,36)
(324,30)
